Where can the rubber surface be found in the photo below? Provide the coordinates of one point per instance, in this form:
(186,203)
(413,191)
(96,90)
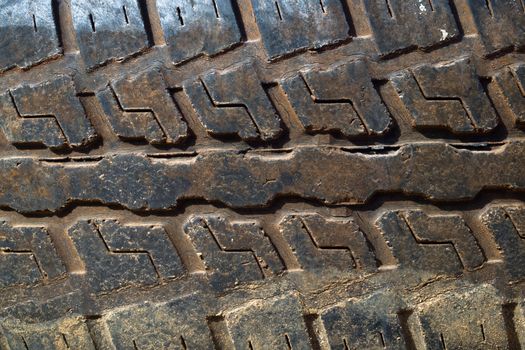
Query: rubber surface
(255,174)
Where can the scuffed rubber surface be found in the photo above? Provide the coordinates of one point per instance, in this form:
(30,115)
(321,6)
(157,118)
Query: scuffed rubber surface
(253,174)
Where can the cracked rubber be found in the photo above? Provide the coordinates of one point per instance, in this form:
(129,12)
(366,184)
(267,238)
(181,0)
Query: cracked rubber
(256,174)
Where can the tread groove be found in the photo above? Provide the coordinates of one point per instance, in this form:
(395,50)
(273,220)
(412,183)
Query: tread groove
(408,338)
(510,326)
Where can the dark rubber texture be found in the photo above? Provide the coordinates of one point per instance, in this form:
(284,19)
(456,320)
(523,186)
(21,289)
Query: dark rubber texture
(256,174)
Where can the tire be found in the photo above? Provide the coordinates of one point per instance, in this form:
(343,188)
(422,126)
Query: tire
(255,174)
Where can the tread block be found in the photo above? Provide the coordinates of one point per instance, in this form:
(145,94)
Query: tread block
(470,320)
(34,311)
(66,333)
(398,25)
(108,30)
(500,23)
(507,224)
(341,99)
(30,115)
(321,243)
(23,131)
(117,255)
(232,252)
(193,28)
(282,317)
(29,35)
(283,31)
(446,95)
(438,243)
(511,80)
(233,102)
(27,256)
(176,324)
(370,323)
(139,107)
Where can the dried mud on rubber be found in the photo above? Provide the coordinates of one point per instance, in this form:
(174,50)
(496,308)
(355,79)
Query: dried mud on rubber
(255,174)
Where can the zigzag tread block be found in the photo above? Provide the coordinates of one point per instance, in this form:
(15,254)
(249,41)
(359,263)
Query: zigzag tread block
(32,116)
(319,242)
(506,224)
(341,99)
(233,102)
(448,95)
(118,255)
(134,115)
(28,256)
(232,252)
(438,242)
